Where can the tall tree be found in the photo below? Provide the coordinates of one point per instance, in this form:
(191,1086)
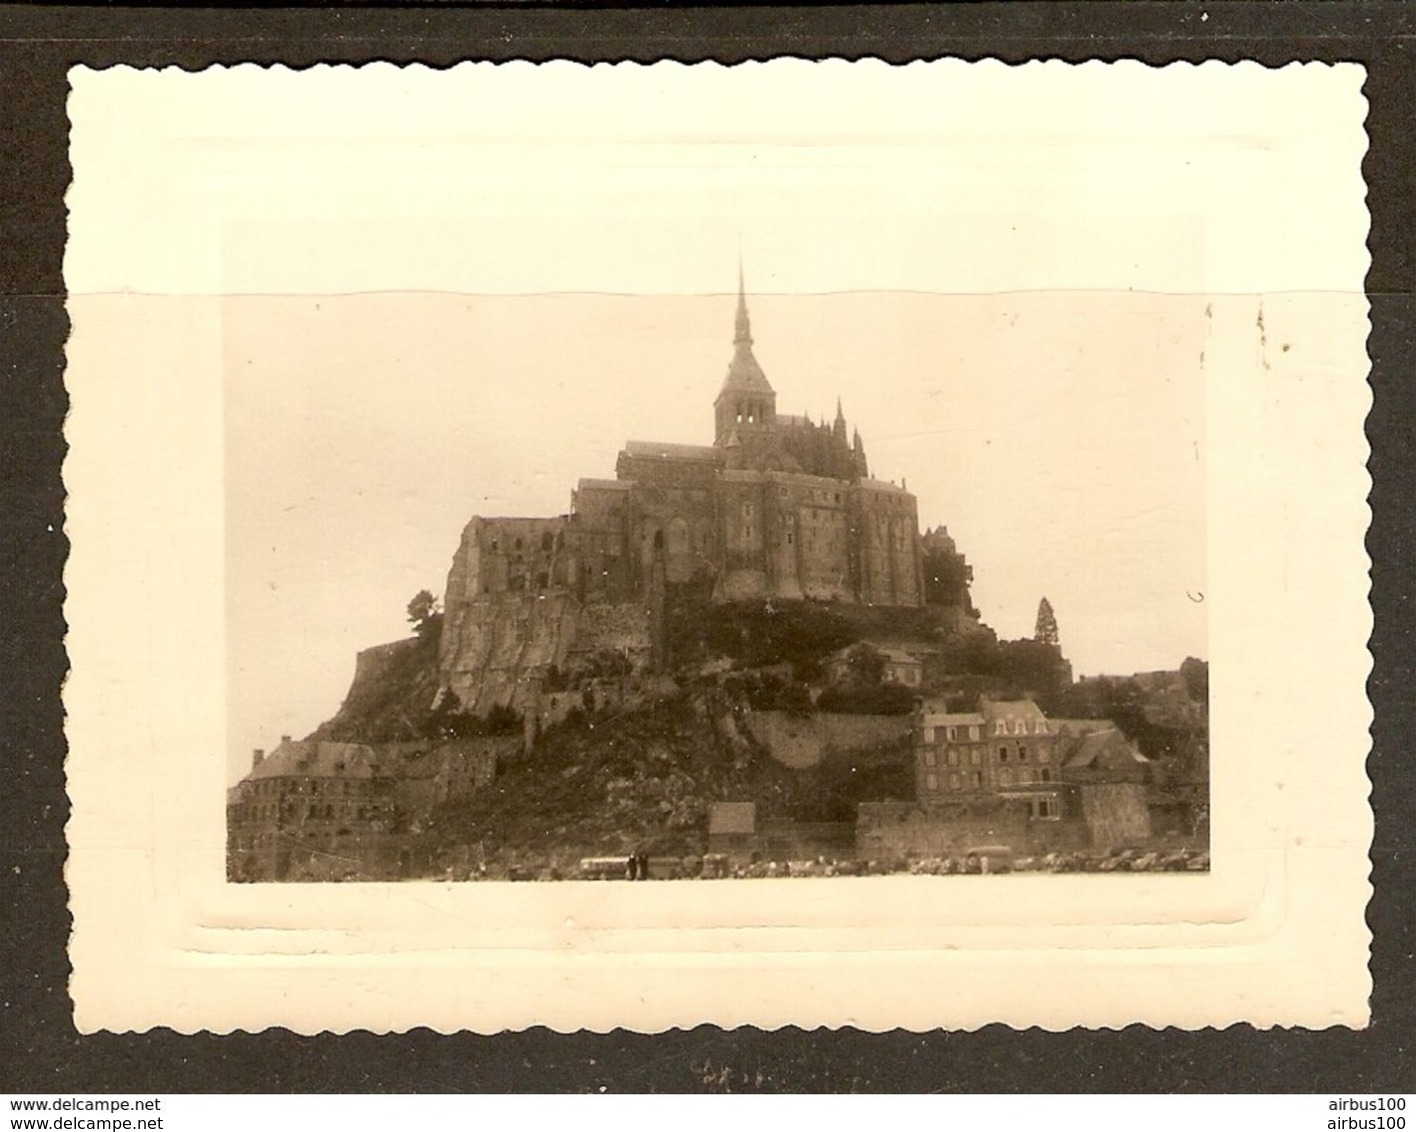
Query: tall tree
(1046,631)
(425,613)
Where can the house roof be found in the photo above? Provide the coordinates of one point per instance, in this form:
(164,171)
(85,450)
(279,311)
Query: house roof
(1081,726)
(732,817)
(604,485)
(992,710)
(298,758)
(952,719)
(654,449)
(1105,750)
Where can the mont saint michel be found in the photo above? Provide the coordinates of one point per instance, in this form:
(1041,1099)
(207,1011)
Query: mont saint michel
(739,658)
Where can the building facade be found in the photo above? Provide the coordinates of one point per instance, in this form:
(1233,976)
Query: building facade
(776,506)
(1009,757)
(318,810)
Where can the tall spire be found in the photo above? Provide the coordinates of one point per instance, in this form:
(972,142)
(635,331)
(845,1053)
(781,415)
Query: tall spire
(743,330)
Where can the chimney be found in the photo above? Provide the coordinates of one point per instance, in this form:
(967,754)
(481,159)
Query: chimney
(285,738)
(257,757)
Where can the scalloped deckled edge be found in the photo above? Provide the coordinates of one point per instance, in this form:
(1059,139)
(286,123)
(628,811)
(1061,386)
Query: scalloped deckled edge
(163,971)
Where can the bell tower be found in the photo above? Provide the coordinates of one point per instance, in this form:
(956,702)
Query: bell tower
(746,398)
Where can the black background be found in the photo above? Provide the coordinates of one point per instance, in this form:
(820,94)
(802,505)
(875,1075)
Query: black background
(39,1048)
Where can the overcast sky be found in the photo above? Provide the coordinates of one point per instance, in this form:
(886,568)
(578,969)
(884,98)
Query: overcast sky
(455,292)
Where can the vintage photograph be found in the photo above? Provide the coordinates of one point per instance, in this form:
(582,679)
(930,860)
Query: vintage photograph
(844,560)
(754,656)
(615,535)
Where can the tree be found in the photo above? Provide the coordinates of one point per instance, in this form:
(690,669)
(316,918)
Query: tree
(424,613)
(1046,631)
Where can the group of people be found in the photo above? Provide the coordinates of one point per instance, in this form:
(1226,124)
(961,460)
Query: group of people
(637,867)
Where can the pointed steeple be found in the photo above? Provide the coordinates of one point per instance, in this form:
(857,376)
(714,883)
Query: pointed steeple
(742,331)
(839,429)
(746,397)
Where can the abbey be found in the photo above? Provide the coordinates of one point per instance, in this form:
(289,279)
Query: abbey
(776,506)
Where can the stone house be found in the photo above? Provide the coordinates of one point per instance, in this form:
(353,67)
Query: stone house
(318,810)
(732,827)
(1069,781)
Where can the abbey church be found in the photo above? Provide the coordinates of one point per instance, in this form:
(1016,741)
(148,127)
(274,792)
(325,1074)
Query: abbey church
(775,506)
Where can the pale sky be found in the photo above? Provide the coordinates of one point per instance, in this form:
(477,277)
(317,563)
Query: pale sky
(1003,272)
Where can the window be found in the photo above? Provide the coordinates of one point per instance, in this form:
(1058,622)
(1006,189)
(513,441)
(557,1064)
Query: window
(978,779)
(494,544)
(747,531)
(929,735)
(951,733)
(953,757)
(1005,776)
(547,540)
(932,782)
(1022,753)
(1046,775)
(929,759)
(976,756)
(1041,727)
(518,544)
(1044,755)
(953,782)
(1000,728)
(1002,754)
(973,730)
(1048,808)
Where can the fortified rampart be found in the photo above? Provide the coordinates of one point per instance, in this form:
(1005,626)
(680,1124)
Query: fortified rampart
(800,741)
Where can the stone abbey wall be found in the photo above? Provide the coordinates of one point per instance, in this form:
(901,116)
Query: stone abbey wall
(777,506)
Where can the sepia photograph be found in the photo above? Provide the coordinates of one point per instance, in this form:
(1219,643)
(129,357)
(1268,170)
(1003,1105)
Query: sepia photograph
(629,593)
(688,516)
